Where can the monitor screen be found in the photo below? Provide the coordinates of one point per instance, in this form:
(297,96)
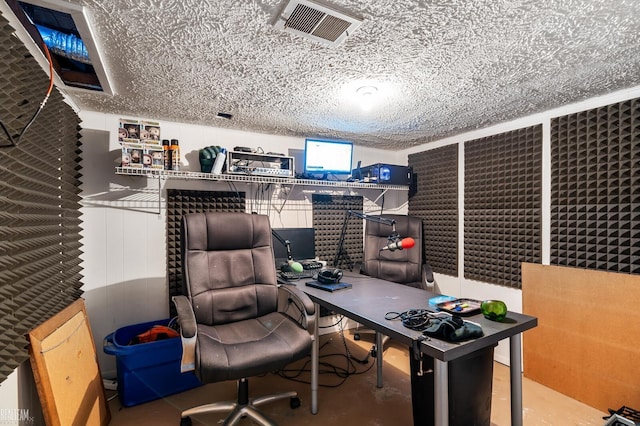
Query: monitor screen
(301,242)
(327,157)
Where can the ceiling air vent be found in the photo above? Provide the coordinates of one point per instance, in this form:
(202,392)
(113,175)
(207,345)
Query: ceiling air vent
(317,22)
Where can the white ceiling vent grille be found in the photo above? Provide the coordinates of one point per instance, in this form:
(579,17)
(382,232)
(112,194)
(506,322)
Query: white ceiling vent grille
(317,22)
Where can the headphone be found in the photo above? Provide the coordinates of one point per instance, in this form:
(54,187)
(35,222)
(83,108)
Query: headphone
(330,276)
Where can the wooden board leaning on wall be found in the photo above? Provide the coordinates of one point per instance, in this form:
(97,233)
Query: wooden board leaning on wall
(586,342)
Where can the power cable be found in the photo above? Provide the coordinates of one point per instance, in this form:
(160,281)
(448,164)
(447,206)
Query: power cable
(15,142)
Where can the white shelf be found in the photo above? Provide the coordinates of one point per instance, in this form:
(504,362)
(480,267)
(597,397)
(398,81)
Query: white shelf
(172,174)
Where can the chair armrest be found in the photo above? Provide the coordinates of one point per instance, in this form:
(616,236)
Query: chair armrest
(428,280)
(188,332)
(295,303)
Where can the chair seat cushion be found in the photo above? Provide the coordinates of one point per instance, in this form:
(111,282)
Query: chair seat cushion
(249,347)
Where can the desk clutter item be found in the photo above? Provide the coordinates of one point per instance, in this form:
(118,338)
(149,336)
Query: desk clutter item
(293,276)
(328,286)
(453,329)
(440,325)
(495,310)
(312,265)
(147,371)
(462,307)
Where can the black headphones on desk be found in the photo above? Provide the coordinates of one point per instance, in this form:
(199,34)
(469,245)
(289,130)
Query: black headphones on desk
(330,276)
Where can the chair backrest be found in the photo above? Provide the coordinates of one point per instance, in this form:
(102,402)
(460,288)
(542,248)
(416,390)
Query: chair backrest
(400,266)
(228,266)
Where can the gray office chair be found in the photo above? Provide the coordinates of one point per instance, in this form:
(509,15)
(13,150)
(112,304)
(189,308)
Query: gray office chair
(235,321)
(400,266)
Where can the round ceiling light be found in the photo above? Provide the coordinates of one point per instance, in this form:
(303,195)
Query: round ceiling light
(366,90)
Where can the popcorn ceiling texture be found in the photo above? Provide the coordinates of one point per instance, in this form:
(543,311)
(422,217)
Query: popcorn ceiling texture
(443,67)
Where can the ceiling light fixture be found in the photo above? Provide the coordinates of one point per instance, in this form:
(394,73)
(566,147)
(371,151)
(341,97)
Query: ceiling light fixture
(366,97)
(366,91)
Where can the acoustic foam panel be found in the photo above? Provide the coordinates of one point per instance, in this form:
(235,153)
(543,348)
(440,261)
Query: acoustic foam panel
(502,205)
(436,202)
(181,202)
(595,188)
(329,216)
(39,206)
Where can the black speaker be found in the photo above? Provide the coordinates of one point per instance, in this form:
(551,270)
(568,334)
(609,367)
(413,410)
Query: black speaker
(330,276)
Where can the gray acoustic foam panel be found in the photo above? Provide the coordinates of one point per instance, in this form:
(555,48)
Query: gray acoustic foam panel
(595,188)
(436,202)
(329,215)
(39,202)
(181,202)
(502,205)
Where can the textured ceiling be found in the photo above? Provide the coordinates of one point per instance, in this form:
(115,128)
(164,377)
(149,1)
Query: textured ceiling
(442,67)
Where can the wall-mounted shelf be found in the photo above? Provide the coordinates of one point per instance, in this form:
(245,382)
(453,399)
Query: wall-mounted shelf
(173,174)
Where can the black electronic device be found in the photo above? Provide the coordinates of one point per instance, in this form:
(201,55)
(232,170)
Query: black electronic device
(293,243)
(294,276)
(242,149)
(328,287)
(329,276)
(311,265)
(388,174)
(250,163)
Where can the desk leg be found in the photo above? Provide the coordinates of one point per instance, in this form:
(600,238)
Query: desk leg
(441,391)
(379,350)
(315,361)
(515,352)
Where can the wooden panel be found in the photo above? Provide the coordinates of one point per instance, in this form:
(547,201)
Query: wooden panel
(586,342)
(66,371)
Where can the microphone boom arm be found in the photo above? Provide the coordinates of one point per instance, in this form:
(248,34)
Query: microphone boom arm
(362,215)
(285,243)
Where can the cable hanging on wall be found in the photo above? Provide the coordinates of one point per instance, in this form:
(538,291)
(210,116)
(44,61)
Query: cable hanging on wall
(15,142)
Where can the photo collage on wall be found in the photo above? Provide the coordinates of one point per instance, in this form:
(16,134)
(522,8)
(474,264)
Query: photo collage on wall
(141,145)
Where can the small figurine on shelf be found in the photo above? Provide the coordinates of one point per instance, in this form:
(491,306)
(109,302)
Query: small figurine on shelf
(207,157)
(175,155)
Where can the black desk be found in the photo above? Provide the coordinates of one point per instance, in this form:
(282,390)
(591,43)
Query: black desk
(370,299)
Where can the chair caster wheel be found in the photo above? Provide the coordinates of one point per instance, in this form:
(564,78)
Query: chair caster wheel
(294,402)
(185,421)
(356,336)
(373,352)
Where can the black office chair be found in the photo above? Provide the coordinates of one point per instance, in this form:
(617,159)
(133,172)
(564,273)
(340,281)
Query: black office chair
(235,321)
(404,266)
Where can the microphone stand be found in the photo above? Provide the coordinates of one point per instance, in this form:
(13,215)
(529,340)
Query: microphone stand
(285,243)
(374,218)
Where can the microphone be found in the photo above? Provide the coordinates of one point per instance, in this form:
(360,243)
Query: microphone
(292,266)
(405,243)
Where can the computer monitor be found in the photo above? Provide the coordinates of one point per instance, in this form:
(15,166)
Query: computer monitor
(301,242)
(327,157)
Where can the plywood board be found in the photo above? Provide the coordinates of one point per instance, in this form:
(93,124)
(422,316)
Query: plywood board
(586,342)
(65,367)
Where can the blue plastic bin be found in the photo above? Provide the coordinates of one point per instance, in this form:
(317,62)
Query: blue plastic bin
(147,371)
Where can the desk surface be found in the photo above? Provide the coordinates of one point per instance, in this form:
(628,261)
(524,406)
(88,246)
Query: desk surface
(370,299)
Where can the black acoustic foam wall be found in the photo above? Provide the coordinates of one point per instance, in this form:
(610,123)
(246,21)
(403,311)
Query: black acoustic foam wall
(436,202)
(181,202)
(595,188)
(502,205)
(329,215)
(40,244)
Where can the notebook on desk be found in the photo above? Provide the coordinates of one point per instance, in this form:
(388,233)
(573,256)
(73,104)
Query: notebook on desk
(328,287)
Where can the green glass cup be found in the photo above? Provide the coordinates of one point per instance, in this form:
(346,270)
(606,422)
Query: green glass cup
(495,310)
